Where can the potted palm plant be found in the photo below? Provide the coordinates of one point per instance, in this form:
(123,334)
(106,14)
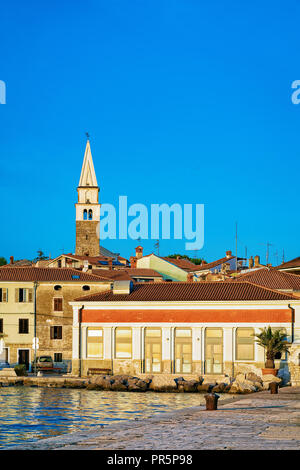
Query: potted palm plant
(274,342)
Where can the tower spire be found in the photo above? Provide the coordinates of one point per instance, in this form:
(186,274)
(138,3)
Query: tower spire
(88,209)
(88,175)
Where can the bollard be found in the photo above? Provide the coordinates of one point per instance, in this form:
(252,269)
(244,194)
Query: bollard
(211,401)
(273,387)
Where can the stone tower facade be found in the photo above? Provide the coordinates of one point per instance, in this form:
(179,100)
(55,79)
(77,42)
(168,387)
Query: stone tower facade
(88,209)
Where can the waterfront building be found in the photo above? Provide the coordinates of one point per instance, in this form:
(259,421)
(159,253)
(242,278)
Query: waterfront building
(182,328)
(38,299)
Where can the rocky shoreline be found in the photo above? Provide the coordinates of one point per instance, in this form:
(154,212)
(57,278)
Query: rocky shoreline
(241,384)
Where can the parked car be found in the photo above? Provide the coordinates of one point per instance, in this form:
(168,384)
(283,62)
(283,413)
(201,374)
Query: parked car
(43,363)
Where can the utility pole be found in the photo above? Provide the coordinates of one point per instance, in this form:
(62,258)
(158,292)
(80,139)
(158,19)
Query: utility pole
(236,246)
(35,286)
(267,254)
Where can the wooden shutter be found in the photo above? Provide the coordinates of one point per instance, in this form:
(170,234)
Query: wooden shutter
(17,295)
(4,295)
(58,304)
(51,332)
(30,295)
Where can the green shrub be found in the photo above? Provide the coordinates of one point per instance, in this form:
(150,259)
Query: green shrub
(20,370)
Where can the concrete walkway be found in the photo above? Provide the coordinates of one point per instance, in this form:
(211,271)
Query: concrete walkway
(258,421)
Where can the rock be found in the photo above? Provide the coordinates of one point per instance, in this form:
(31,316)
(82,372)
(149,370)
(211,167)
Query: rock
(161,383)
(224,380)
(103,382)
(240,377)
(246,388)
(75,384)
(271,378)
(253,377)
(92,386)
(137,385)
(234,388)
(205,387)
(259,386)
(219,388)
(118,386)
(207,380)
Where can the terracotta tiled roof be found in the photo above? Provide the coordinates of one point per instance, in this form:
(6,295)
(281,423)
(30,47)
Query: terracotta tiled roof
(213,264)
(294,263)
(112,274)
(182,263)
(195,291)
(127,274)
(30,274)
(271,278)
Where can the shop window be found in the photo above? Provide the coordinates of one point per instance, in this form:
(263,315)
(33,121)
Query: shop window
(123,339)
(94,342)
(245,344)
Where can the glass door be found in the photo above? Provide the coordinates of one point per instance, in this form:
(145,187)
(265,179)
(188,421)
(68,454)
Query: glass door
(152,350)
(183,350)
(213,351)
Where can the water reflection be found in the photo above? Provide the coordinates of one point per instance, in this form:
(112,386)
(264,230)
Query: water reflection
(36,413)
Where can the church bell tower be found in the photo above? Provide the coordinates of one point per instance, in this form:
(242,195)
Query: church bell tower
(88,209)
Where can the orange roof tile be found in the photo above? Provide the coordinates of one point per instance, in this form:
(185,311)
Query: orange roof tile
(195,291)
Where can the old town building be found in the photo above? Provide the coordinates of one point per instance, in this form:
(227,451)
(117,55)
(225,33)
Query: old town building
(203,328)
(38,299)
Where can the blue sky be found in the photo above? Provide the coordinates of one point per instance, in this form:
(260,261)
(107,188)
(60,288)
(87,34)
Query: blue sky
(185,101)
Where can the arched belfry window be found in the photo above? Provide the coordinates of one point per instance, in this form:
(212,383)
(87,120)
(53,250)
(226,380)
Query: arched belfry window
(90,214)
(85,214)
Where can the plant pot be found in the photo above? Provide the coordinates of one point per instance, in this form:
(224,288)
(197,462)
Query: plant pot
(270,371)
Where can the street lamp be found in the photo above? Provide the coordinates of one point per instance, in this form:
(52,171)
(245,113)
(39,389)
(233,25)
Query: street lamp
(35,341)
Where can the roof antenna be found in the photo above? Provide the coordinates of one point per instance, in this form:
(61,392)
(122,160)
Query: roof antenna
(87,135)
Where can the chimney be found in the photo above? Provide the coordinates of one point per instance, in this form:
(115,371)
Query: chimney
(122,287)
(11,260)
(256,261)
(251,262)
(85,266)
(132,260)
(139,252)
(228,254)
(190,277)
(110,263)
